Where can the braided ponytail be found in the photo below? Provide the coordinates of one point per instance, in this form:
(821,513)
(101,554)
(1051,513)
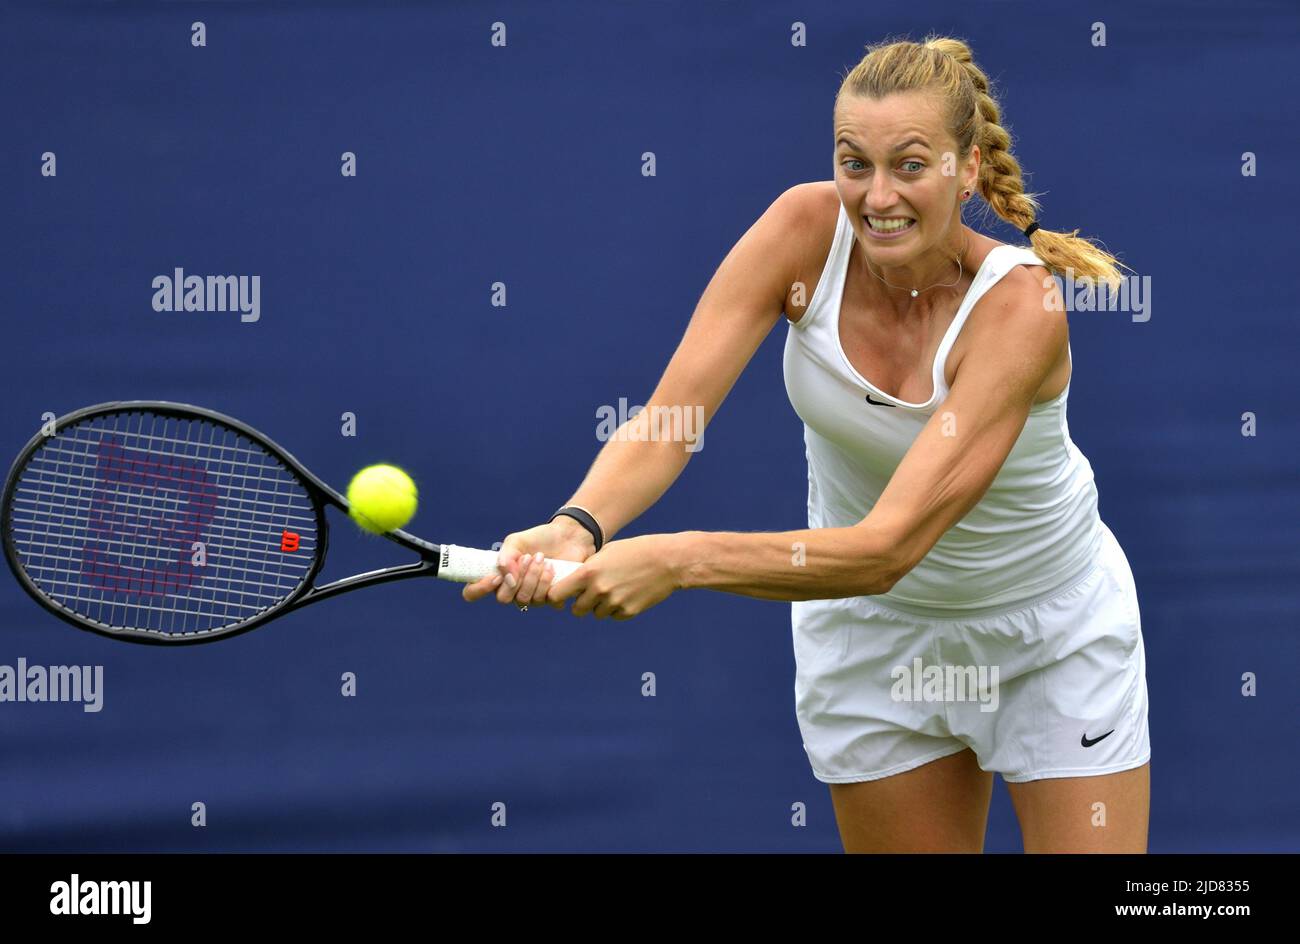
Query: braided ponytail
(946,66)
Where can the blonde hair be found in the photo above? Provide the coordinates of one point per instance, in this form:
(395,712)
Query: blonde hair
(945,66)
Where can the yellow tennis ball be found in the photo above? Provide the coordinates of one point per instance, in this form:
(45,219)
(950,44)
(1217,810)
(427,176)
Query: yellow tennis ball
(381,498)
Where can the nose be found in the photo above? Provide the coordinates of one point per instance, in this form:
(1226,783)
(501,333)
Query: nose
(881,194)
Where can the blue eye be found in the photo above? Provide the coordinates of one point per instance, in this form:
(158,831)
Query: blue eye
(851,160)
(919,166)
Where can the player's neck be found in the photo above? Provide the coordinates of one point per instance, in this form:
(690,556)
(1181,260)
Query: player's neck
(935,275)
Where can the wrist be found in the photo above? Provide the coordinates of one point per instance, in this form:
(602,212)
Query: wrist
(685,559)
(572,530)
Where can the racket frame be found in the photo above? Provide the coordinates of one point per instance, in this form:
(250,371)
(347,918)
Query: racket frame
(431,555)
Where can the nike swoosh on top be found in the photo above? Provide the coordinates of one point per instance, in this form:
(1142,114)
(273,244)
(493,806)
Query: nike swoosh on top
(877,402)
(1087,743)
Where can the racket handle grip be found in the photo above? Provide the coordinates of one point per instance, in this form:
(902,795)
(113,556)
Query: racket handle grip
(468,564)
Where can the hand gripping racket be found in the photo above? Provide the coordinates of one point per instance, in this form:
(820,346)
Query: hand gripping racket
(159,522)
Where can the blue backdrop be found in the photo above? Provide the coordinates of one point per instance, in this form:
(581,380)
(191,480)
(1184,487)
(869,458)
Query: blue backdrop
(521,164)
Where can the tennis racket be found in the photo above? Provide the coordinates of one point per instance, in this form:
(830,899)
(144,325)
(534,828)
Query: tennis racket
(157,522)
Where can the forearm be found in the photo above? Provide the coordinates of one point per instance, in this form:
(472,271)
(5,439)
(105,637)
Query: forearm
(816,564)
(631,472)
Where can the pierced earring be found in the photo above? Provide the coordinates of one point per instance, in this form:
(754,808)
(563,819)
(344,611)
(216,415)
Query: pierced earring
(965,194)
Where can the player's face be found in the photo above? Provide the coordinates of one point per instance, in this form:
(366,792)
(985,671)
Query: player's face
(898,173)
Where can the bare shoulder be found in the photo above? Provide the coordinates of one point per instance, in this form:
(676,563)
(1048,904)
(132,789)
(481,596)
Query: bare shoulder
(814,211)
(1022,282)
(807,207)
(821,203)
(1022,317)
(1023,307)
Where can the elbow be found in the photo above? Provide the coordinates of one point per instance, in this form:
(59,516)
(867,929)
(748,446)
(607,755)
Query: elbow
(880,576)
(890,564)
(883,557)
(890,572)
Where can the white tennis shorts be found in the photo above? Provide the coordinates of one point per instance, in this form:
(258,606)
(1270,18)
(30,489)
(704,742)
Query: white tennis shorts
(1052,688)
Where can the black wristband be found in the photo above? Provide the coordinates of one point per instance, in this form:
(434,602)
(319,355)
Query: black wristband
(585,519)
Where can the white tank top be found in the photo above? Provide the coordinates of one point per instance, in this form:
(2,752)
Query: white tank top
(1036,528)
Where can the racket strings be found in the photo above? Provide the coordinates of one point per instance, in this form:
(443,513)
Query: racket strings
(161,524)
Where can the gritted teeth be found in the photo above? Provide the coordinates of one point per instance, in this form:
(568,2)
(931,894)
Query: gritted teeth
(889,226)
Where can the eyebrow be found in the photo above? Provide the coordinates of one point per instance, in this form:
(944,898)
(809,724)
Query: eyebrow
(902,147)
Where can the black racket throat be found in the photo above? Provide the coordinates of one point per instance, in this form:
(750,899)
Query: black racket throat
(170,524)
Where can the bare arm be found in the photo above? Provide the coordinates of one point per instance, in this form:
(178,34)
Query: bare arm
(742,302)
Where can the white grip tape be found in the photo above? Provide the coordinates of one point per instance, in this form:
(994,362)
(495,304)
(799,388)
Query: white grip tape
(468,564)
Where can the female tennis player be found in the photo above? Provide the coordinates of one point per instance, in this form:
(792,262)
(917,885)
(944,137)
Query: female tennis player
(953,526)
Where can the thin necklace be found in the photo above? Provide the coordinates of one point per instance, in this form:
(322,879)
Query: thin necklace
(917,291)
